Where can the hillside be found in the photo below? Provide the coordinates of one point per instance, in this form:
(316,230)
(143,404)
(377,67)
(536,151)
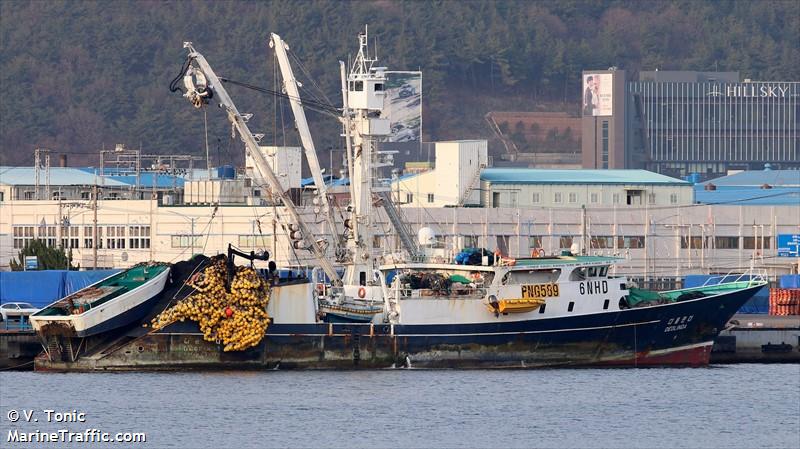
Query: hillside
(77,76)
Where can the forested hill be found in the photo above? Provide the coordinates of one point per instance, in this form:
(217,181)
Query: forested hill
(78,75)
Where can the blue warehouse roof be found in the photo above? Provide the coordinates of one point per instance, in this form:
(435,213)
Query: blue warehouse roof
(542,176)
(757,178)
(59,176)
(778,196)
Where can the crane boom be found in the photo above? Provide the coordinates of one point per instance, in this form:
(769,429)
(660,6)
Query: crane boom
(260,161)
(290,84)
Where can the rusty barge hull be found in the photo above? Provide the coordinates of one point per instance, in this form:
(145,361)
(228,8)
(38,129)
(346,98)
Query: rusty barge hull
(671,334)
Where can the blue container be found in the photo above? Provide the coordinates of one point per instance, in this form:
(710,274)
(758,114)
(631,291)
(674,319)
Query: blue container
(226,172)
(790,281)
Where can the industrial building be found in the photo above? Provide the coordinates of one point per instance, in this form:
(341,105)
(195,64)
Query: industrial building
(663,243)
(459,177)
(764,187)
(453,181)
(522,187)
(651,221)
(682,122)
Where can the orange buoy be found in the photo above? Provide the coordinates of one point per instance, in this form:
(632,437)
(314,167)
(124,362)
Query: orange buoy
(362,292)
(228,312)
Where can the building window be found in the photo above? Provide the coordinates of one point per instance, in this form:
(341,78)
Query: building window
(696,242)
(673,198)
(254,241)
(471,241)
(615,198)
(22,236)
(139,237)
(573,197)
(430,197)
(565,242)
(47,234)
(630,242)
(557,197)
(726,242)
(535,241)
(651,198)
(602,242)
(537,198)
(409,198)
(634,197)
(593,197)
(186,241)
(377,241)
(756,242)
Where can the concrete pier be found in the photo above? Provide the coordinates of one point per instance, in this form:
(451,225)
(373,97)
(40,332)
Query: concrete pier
(759,339)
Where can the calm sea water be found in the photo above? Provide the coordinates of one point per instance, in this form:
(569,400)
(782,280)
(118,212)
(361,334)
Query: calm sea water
(722,407)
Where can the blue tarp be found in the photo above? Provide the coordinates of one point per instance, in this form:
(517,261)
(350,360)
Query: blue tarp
(41,288)
(790,281)
(759,303)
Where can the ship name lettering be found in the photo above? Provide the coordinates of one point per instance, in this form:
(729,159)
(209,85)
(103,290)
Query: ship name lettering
(593,287)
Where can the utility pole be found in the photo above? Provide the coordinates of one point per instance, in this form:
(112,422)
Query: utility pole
(583,230)
(94,227)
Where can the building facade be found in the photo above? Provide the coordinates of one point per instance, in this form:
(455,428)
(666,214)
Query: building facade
(677,123)
(652,242)
(521,187)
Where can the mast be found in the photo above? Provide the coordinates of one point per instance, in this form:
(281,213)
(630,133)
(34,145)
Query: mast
(364,96)
(290,84)
(202,84)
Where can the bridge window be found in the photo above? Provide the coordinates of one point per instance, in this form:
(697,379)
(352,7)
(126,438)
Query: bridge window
(578,274)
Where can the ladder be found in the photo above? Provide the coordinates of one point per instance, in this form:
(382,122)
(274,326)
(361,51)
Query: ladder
(399,225)
(471,185)
(53,348)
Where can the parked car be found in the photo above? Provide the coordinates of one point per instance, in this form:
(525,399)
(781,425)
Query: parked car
(406,90)
(16,309)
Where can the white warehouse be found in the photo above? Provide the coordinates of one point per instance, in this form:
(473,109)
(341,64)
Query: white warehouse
(523,187)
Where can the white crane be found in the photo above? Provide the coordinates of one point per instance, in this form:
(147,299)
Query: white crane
(291,86)
(202,84)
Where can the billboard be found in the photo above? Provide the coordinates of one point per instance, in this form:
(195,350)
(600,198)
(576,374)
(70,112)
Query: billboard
(403,106)
(788,245)
(597,89)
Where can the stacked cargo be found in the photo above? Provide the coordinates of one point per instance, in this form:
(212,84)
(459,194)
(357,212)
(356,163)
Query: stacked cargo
(786,299)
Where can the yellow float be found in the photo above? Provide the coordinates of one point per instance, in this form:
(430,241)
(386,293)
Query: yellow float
(237,319)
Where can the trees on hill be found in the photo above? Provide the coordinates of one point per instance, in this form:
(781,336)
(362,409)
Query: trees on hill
(77,76)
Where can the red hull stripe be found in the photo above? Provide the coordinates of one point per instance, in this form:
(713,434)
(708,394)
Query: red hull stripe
(692,355)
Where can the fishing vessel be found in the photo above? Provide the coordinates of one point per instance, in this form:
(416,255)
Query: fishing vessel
(417,310)
(104,306)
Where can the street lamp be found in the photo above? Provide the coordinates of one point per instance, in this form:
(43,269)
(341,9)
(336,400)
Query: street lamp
(192,220)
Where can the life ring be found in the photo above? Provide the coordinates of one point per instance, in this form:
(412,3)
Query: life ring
(362,292)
